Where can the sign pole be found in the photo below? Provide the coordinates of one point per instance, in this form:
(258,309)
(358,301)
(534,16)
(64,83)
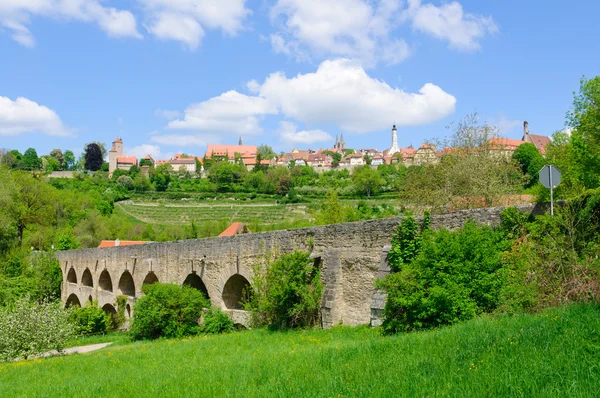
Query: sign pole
(551,194)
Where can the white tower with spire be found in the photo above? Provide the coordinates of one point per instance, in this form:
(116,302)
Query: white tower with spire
(394,149)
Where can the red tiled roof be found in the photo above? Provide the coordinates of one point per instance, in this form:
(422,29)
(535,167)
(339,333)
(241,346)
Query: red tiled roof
(540,142)
(127,159)
(113,243)
(234,229)
(505,143)
(230,150)
(118,140)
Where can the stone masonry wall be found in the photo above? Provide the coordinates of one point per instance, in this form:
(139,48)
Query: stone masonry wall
(352,257)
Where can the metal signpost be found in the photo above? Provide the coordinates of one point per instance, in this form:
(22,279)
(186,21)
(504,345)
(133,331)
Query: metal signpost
(550,178)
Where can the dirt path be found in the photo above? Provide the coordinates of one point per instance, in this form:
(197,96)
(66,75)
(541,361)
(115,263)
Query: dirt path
(76,350)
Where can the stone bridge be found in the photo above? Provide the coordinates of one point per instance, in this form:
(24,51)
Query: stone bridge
(351,257)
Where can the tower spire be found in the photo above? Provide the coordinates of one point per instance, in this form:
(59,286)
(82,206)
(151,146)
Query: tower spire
(240,141)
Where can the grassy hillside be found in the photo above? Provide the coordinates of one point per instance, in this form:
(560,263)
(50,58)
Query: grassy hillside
(556,353)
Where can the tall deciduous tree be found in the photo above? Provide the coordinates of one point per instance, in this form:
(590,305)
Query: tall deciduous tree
(27,201)
(585,114)
(530,160)
(366,180)
(93,157)
(31,160)
(58,155)
(69,158)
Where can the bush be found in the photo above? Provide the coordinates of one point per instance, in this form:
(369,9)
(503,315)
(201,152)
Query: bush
(167,310)
(126,182)
(28,328)
(287,293)
(216,321)
(90,319)
(454,277)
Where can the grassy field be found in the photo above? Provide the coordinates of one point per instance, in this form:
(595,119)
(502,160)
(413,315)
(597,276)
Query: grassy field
(176,213)
(553,354)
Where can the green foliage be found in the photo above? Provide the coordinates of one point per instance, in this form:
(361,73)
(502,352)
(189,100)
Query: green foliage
(215,321)
(126,182)
(28,328)
(119,318)
(31,161)
(66,241)
(531,162)
(585,114)
(167,310)
(90,319)
(406,242)
(366,180)
(93,157)
(454,277)
(286,293)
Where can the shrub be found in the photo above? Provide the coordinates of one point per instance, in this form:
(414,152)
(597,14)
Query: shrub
(28,328)
(167,310)
(454,277)
(216,321)
(126,182)
(287,293)
(406,243)
(90,319)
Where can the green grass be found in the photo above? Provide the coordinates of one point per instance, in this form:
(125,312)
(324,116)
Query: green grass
(172,213)
(117,338)
(553,354)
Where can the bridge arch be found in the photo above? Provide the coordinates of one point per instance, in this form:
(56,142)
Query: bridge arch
(110,310)
(72,301)
(126,284)
(234,292)
(150,279)
(86,278)
(193,280)
(105,281)
(72,276)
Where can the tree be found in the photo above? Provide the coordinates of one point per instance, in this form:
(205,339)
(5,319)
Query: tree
(349,152)
(31,161)
(100,145)
(585,114)
(27,202)
(69,158)
(141,183)
(266,152)
(161,177)
(366,180)
(93,157)
(529,159)
(50,164)
(9,160)
(287,293)
(58,155)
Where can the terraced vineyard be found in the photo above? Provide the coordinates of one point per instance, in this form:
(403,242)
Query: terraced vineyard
(170,213)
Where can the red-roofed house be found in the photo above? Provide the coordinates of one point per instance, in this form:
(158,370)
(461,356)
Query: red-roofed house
(229,151)
(540,141)
(116,243)
(116,159)
(234,229)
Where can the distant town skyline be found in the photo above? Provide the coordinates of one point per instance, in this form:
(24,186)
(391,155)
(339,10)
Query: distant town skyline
(170,77)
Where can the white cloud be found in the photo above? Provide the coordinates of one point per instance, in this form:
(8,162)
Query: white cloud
(15,15)
(356,29)
(186,140)
(230,112)
(289,134)
(341,93)
(141,151)
(506,125)
(167,114)
(449,22)
(26,116)
(186,20)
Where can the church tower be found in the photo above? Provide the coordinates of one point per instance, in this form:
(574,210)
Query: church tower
(114,153)
(394,149)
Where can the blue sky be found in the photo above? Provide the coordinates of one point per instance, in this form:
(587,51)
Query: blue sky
(171,76)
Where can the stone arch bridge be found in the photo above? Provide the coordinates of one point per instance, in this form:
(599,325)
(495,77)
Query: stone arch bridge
(351,256)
